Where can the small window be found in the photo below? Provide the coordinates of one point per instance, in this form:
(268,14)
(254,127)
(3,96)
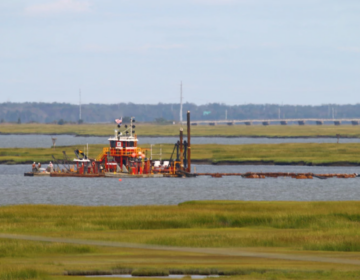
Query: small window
(131,144)
(113,144)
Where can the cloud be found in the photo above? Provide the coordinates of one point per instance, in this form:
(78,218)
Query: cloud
(350,49)
(162,47)
(215,2)
(99,48)
(60,6)
(96,48)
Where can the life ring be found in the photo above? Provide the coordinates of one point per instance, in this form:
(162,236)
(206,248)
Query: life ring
(93,163)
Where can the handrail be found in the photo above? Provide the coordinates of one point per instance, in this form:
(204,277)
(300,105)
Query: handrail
(100,156)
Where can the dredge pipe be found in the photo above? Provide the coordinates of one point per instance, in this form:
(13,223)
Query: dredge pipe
(181,149)
(281,174)
(189,145)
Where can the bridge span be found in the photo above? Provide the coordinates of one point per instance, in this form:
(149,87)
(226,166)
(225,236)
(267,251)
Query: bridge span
(280,122)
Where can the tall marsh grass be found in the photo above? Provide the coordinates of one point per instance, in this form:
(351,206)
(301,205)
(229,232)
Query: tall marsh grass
(22,274)
(288,153)
(25,249)
(330,226)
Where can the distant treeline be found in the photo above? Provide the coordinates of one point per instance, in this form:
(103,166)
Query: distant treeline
(92,113)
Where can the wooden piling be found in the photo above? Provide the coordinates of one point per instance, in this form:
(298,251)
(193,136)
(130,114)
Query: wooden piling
(189,145)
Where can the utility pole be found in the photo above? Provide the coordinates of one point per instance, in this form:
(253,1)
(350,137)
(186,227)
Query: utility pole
(79,104)
(181,103)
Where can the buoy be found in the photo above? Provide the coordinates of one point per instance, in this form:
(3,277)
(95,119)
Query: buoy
(120,180)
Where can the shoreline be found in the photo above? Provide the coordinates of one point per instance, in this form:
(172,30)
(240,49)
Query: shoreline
(196,136)
(227,162)
(271,162)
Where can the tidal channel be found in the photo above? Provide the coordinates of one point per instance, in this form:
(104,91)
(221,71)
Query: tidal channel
(44,141)
(17,189)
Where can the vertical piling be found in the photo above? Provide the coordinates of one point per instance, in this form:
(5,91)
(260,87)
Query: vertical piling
(188,143)
(181,150)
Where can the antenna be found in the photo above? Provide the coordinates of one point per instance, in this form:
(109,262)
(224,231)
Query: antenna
(79,104)
(53,141)
(181,102)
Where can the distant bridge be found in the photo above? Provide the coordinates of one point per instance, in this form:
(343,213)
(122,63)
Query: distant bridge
(280,122)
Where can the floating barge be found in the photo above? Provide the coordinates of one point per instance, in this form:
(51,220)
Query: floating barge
(125,159)
(55,174)
(124,175)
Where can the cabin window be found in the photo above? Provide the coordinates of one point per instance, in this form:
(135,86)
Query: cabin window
(131,144)
(113,144)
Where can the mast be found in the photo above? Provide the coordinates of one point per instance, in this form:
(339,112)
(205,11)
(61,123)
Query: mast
(131,128)
(181,103)
(79,104)
(189,144)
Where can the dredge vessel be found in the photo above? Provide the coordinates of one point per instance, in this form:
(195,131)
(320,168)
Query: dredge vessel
(124,158)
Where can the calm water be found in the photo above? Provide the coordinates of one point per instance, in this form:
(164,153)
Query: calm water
(44,141)
(17,189)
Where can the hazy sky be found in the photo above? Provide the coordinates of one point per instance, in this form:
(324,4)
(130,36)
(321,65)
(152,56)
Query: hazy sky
(229,51)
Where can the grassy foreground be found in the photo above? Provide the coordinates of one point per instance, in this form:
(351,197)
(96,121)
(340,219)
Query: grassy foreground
(328,229)
(200,130)
(289,153)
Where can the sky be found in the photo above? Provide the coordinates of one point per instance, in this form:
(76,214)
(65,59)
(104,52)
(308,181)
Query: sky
(226,51)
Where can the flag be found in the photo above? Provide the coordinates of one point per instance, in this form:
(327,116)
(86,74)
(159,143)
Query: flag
(118,121)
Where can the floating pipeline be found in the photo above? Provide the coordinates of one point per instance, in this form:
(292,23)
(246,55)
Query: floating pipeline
(251,175)
(181,173)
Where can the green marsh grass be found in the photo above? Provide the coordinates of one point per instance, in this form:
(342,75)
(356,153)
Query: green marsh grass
(329,229)
(25,249)
(318,226)
(22,274)
(288,153)
(200,130)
